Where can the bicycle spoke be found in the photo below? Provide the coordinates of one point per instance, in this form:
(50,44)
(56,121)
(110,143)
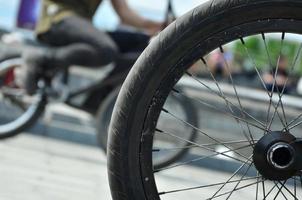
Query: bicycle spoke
(285,123)
(288,190)
(228,104)
(225,113)
(258,73)
(293,121)
(205,186)
(195,146)
(236,186)
(206,148)
(219,94)
(237,97)
(270,191)
(233,175)
(199,131)
(272,91)
(280,190)
(275,82)
(199,159)
(293,66)
(254,64)
(295,125)
(257,187)
(226,193)
(224,98)
(295,187)
(263,188)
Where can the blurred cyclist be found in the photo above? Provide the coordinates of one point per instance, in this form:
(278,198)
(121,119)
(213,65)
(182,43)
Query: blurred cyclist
(280,80)
(66,26)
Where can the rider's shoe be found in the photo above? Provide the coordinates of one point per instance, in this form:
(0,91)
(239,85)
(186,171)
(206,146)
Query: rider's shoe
(35,65)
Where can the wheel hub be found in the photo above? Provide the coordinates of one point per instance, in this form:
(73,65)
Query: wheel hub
(276,155)
(281,156)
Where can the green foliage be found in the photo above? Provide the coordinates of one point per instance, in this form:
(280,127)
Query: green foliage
(257,52)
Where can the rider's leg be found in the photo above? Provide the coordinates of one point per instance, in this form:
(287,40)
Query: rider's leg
(129,41)
(73,41)
(130,44)
(77,42)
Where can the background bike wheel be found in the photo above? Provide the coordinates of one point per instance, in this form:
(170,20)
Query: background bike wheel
(163,157)
(224,167)
(18,111)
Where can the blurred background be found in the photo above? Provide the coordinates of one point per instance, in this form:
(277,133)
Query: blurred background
(108,20)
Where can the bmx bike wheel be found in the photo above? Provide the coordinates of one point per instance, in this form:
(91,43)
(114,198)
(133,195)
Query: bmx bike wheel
(18,110)
(248,129)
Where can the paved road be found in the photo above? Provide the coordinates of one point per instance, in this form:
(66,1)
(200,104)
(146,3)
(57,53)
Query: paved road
(35,168)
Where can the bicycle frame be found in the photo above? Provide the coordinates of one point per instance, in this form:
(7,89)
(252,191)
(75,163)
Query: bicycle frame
(98,85)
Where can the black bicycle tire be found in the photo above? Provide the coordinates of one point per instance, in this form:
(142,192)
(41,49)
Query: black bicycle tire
(27,119)
(157,60)
(103,117)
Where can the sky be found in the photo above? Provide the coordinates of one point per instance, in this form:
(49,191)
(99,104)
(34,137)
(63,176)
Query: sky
(105,17)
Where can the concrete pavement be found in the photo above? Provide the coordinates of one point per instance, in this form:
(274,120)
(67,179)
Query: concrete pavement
(35,168)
